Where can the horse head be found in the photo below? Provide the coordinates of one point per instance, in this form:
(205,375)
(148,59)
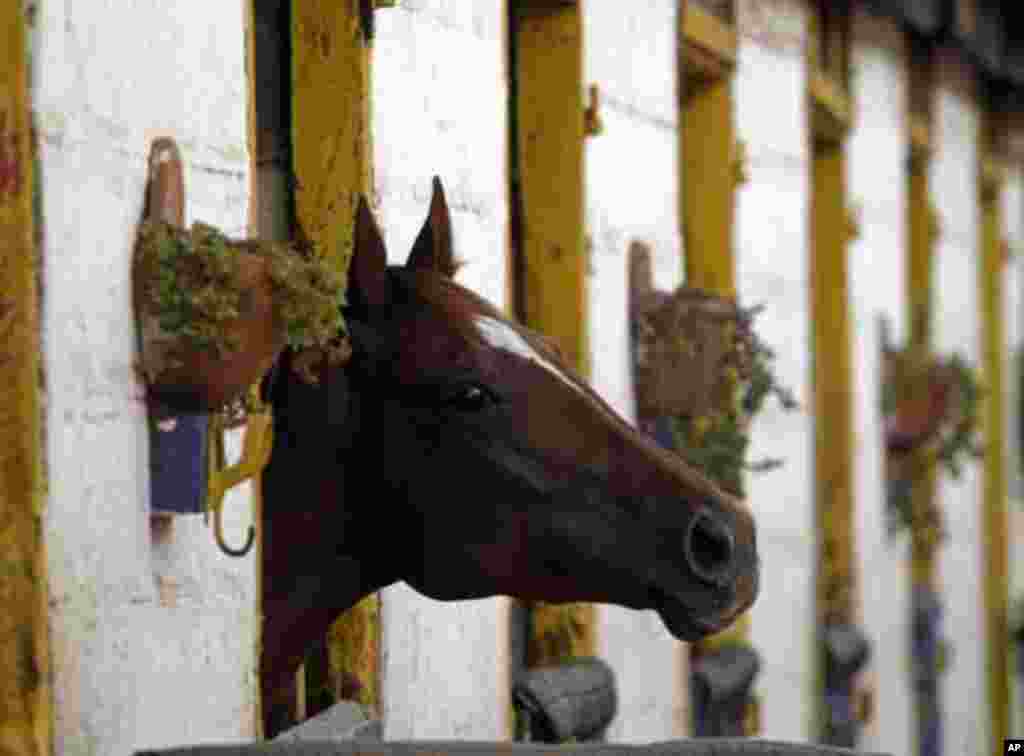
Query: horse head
(457,451)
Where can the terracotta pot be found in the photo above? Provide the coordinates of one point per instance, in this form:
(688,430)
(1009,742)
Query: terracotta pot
(680,349)
(183,378)
(191,379)
(919,417)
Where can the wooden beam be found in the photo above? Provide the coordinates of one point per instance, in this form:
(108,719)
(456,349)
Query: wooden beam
(708,150)
(331,147)
(25,696)
(332,154)
(548,262)
(922,224)
(831,378)
(549,168)
(712,167)
(830,232)
(921,237)
(995,546)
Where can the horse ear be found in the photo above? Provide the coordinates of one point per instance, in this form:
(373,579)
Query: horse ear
(433,247)
(368,280)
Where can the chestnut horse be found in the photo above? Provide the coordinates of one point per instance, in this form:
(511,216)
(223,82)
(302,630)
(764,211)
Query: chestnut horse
(458,452)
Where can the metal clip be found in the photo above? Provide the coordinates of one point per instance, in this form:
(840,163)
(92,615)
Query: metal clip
(592,123)
(739,162)
(934,224)
(853,215)
(864,705)
(256,447)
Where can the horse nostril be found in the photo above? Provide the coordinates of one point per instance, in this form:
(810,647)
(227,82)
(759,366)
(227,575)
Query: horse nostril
(709,549)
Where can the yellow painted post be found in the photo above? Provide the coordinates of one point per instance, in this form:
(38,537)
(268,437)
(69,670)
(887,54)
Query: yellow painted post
(832,387)
(331,148)
(25,716)
(995,547)
(548,253)
(709,153)
(252,230)
(712,167)
(926,523)
(549,120)
(332,160)
(829,113)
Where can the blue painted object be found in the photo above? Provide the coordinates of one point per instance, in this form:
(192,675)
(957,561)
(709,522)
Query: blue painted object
(927,613)
(177,464)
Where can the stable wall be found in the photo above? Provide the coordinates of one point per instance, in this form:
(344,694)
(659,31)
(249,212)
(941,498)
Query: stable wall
(152,635)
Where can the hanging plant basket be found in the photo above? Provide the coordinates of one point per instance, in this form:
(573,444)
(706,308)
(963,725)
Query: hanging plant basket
(686,342)
(931,404)
(214,313)
(930,411)
(700,364)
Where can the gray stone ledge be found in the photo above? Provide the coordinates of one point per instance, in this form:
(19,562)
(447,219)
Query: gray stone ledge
(681,747)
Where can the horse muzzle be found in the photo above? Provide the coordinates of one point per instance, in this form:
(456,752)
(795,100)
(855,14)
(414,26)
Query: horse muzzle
(709,548)
(722,573)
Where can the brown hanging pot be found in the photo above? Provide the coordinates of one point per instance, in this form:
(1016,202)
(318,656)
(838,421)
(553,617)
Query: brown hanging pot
(204,303)
(684,345)
(922,401)
(215,312)
(187,368)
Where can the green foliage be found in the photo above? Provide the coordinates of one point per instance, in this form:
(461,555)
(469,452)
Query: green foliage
(909,377)
(717,442)
(189,283)
(961,442)
(308,296)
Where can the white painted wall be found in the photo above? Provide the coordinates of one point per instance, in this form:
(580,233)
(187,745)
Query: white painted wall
(877,181)
(152,641)
(632,194)
(772,256)
(958,328)
(439,108)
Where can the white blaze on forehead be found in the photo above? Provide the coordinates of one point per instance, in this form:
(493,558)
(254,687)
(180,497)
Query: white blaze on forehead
(503,336)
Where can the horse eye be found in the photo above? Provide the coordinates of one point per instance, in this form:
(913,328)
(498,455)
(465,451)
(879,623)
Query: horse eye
(471,397)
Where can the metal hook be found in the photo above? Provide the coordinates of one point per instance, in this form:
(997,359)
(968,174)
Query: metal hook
(218,534)
(255,454)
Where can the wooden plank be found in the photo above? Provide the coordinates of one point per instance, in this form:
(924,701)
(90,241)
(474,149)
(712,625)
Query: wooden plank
(831,347)
(925,531)
(25,716)
(919,299)
(832,389)
(331,148)
(707,145)
(549,119)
